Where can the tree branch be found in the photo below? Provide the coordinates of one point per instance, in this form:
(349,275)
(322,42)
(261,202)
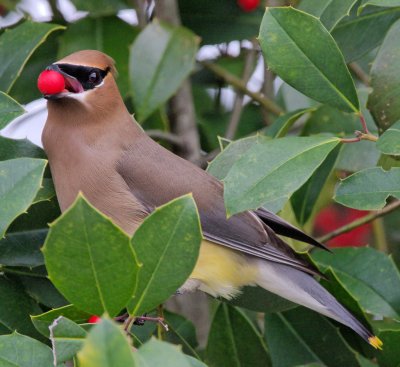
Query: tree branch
(140,7)
(268,91)
(360,73)
(265,102)
(359,222)
(238,105)
(183,116)
(166,136)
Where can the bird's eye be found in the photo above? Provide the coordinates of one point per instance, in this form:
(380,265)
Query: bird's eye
(93,77)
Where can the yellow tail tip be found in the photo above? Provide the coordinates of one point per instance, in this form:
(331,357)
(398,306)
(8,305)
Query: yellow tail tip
(375,342)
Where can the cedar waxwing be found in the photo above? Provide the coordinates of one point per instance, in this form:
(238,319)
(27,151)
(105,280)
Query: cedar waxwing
(95,146)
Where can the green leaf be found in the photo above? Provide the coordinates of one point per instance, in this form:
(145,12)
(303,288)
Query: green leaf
(20,42)
(11,148)
(167,244)
(309,60)
(21,351)
(158,353)
(387,3)
(304,199)
(46,192)
(44,320)
(42,290)
(67,338)
(356,157)
(98,8)
(271,170)
(15,308)
(106,346)
(233,341)
(330,12)
(389,142)
(181,332)
(9,109)
(195,362)
(110,35)
(311,337)
(24,89)
(20,180)
(376,287)
(161,58)
(368,189)
(220,21)
(384,101)
(390,356)
(358,35)
(283,123)
(22,248)
(223,162)
(261,300)
(84,247)
(326,119)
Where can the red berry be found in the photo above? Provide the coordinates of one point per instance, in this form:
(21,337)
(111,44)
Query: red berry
(94,319)
(248,5)
(50,82)
(333,217)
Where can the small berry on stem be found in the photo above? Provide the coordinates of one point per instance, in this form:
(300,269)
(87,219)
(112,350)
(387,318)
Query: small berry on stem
(248,5)
(94,319)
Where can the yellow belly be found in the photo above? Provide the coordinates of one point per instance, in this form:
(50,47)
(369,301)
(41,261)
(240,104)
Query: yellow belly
(222,271)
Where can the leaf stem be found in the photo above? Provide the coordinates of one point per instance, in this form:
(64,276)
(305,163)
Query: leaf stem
(4,269)
(237,83)
(361,135)
(380,236)
(359,222)
(364,124)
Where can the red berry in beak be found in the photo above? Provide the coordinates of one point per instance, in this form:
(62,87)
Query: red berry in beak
(50,82)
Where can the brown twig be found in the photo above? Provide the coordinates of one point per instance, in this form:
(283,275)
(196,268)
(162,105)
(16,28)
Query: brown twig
(237,83)
(267,90)
(166,136)
(361,135)
(140,7)
(360,73)
(359,222)
(238,104)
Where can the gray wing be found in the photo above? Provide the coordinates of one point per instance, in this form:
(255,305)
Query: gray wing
(155,176)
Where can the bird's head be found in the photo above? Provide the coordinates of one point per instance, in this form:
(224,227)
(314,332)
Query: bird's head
(79,76)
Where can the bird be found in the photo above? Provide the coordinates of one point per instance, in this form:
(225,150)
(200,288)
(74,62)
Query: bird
(95,146)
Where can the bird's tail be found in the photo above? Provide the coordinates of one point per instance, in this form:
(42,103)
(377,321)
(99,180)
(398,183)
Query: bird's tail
(303,289)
